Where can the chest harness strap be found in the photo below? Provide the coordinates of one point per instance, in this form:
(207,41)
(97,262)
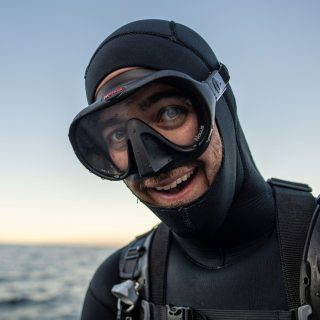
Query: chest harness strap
(294,206)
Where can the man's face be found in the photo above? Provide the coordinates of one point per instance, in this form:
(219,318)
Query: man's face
(179,125)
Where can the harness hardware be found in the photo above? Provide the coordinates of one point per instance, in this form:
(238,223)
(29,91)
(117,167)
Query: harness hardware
(134,252)
(175,313)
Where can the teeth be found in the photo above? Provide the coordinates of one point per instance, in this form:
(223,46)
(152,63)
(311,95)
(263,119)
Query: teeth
(174,184)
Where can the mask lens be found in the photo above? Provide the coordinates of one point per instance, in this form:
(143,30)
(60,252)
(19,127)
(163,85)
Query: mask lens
(102,135)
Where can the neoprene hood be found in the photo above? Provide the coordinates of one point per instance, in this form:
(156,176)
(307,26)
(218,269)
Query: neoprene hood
(239,201)
(222,251)
(154,44)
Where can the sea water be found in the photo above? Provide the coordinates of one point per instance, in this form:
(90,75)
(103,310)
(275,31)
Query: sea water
(46,282)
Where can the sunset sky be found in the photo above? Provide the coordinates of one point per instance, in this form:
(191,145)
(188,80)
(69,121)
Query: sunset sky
(271,49)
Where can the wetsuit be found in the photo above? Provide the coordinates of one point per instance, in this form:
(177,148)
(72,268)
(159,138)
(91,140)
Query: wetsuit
(225,252)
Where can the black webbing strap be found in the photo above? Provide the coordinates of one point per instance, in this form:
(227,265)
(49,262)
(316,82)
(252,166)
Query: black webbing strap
(163,313)
(158,312)
(246,315)
(130,264)
(158,264)
(294,206)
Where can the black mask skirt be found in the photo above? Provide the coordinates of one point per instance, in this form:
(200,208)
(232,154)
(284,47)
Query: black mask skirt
(236,215)
(158,122)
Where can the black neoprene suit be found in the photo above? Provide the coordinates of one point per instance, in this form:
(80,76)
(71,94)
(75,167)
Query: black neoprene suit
(225,252)
(254,283)
(235,267)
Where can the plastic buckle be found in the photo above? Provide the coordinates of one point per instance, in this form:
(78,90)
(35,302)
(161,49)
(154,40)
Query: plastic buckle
(304,312)
(127,292)
(175,313)
(146,310)
(217,85)
(134,252)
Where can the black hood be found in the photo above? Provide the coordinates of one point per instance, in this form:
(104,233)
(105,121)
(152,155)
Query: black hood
(237,213)
(154,44)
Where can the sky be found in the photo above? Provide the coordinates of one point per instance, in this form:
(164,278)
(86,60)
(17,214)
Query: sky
(271,49)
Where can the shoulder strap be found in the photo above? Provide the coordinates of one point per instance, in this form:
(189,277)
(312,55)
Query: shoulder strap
(158,264)
(134,262)
(294,208)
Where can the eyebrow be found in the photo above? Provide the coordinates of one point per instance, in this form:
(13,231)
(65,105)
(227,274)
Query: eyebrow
(156,97)
(147,104)
(111,122)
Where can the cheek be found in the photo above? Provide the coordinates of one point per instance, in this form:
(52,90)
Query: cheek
(212,157)
(183,136)
(189,132)
(134,187)
(120,159)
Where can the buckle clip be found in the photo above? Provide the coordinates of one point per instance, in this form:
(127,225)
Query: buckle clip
(218,81)
(304,312)
(146,310)
(178,313)
(134,252)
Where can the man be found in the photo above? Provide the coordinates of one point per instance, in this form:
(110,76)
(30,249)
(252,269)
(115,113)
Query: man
(174,137)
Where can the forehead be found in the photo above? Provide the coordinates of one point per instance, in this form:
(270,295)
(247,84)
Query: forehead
(150,90)
(156,95)
(113,75)
(152,94)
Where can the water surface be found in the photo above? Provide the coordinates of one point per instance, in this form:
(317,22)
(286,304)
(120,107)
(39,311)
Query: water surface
(46,282)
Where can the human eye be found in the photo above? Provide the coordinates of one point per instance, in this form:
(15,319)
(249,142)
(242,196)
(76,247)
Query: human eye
(116,139)
(172,116)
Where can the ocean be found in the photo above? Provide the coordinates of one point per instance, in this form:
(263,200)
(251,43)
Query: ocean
(46,282)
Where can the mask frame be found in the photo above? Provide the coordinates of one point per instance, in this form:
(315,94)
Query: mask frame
(149,153)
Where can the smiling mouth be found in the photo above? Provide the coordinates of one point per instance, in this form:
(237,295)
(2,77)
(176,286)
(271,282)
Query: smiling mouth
(177,185)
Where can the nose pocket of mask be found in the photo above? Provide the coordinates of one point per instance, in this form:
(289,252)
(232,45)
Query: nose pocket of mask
(157,153)
(150,153)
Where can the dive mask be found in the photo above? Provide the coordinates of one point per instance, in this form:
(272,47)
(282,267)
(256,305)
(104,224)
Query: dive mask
(146,122)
